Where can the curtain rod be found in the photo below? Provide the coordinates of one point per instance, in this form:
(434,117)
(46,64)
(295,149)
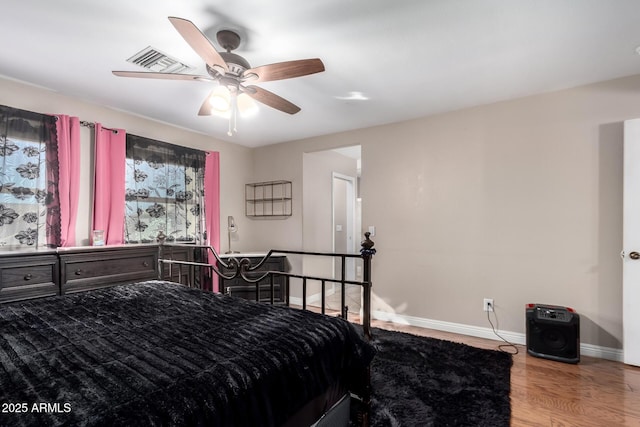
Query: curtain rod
(92,125)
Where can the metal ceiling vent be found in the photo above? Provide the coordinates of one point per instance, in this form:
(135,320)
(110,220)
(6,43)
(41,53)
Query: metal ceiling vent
(154,60)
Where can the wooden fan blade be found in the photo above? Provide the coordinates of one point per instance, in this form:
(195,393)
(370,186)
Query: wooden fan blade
(198,42)
(284,70)
(165,76)
(271,99)
(205,108)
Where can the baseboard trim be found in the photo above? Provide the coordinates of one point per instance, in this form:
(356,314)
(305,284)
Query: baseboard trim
(483,332)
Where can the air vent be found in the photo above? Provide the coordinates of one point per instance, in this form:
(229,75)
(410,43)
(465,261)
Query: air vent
(154,60)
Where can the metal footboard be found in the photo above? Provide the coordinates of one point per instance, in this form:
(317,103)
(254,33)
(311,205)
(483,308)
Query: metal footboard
(202,271)
(210,263)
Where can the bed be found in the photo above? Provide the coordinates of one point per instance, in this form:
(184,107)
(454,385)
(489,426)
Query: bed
(160,353)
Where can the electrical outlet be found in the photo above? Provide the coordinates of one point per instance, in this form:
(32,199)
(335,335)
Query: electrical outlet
(488,304)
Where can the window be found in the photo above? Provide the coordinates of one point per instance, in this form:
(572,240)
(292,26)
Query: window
(29,205)
(164,191)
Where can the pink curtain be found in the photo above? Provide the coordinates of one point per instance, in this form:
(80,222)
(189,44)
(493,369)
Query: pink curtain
(212,206)
(109,193)
(68,130)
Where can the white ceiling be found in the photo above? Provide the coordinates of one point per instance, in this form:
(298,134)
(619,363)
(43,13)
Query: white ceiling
(404,58)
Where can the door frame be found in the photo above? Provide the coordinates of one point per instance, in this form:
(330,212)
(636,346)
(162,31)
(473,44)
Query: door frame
(631,243)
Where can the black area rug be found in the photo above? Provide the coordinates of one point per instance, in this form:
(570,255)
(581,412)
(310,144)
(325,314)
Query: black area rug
(419,381)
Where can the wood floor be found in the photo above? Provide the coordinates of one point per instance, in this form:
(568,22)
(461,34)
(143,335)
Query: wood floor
(595,392)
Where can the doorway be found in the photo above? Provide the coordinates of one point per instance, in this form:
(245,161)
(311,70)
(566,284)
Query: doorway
(344,221)
(331,180)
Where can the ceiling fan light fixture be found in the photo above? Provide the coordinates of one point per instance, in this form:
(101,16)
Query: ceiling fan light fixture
(226,102)
(247,107)
(220,101)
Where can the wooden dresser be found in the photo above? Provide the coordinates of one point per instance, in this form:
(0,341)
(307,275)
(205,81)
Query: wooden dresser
(243,289)
(34,274)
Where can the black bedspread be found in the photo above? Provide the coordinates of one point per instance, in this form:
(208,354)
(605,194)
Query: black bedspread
(157,353)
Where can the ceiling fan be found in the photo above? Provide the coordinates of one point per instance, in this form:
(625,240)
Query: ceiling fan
(231,70)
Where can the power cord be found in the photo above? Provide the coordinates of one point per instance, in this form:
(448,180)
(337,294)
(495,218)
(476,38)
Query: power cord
(501,347)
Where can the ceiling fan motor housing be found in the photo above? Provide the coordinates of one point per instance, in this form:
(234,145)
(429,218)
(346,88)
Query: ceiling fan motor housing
(230,40)
(236,63)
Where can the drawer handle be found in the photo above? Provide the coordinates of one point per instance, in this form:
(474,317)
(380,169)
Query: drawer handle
(145,264)
(78,272)
(28,277)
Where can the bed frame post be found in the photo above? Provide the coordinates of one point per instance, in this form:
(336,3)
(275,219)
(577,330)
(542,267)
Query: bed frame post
(366,297)
(367,252)
(160,238)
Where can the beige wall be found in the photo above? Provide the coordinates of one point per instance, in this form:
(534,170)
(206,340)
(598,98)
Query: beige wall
(235,161)
(519,201)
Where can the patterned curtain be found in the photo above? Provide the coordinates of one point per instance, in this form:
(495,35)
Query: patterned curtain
(29,203)
(164,191)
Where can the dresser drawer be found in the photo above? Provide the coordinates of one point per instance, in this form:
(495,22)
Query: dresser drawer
(84,271)
(109,268)
(24,277)
(27,276)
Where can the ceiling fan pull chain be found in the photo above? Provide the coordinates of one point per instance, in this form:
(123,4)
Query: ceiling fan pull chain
(235,120)
(233,114)
(234,111)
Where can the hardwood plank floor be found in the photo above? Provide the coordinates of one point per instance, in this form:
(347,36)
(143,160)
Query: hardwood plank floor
(595,392)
